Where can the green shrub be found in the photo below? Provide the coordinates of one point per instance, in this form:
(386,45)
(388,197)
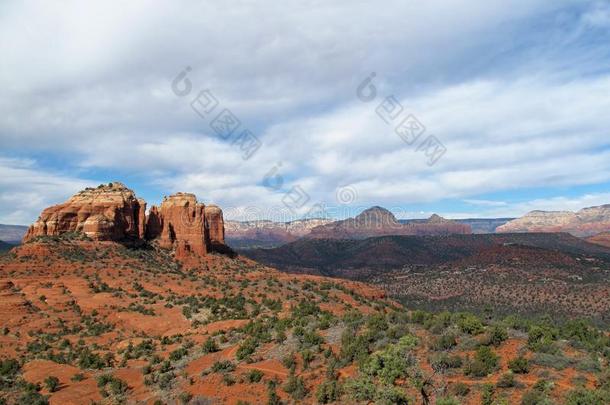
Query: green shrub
(444,361)
(224,366)
(485,361)
(470,324)
(558,362)
(210,346)
(254,376)
(460,389)
(328,391)
(535,397)
(78,377)
(247,348)
(582,396)
(506,380)
(185,397)
(447,401)
(51,383)
(542,339)
(519,365)
(117,387)
(295,386)
(496,335)
(444,342)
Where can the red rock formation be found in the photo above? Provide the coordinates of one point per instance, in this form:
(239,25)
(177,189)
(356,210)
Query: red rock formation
(586,222)
(179,224)
(214,225)
(112,212)
(108,212)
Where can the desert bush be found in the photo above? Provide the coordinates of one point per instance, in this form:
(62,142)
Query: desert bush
(224,366)
(110,385)
(506,380)
(583,396)
(210,346)
(460,389)
(328,391)
(295,386)
(558,362)
(391,363)
(185,398)
(535,397)
(496,335)
(447,401)
(444,342)
(485,361)
(519,365)
(469,323)
(51,383)
(444,361)
(542,339)
(247,348)
(589,365)
(254,376)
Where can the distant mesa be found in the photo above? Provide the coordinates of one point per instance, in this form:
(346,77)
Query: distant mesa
(378,221)
(584,223)
(602,239)
(112,212)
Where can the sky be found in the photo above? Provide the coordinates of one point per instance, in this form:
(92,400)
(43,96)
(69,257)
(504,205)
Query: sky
(282,110)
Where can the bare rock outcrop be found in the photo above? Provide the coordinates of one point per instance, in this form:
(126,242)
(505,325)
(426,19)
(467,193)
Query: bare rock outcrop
(586,222)
(112,212)
(179,223)
(108,212)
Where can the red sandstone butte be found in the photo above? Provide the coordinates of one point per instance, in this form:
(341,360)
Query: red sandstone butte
(108,212)
(113,212)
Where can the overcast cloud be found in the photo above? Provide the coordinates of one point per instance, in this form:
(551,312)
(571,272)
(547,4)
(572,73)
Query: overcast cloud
(518,92)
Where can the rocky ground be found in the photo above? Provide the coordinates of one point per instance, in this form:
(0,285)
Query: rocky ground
(96,322)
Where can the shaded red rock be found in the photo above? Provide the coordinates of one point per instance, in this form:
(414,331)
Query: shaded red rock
(179,224)
(108,212)
(183,224)
(214,224)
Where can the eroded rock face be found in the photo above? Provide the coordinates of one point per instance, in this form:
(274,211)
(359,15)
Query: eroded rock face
(112,212)
(214,224)
(179,223)
(108,212)
(586,222)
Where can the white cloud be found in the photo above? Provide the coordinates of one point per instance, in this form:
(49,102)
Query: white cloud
(89,84)
(25,189)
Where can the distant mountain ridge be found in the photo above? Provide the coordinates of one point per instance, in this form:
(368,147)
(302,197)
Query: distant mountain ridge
(5,246)
(378,221)
(265,233)
(586,222)
(12,233)
(478,225)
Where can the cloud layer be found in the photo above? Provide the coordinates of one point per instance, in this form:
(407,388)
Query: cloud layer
(517,93)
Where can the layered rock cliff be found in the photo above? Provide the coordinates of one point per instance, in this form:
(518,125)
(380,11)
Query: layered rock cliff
(113,212)
(586,222)
(108,212)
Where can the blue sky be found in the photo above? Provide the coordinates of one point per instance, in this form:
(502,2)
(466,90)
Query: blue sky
(517,93)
